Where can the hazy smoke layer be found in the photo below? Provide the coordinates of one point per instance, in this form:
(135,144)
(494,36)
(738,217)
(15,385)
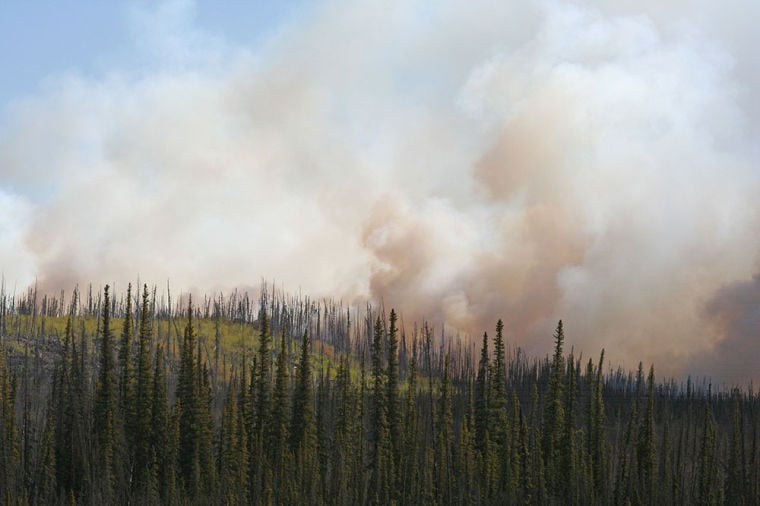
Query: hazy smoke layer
(596,162)
(735,311)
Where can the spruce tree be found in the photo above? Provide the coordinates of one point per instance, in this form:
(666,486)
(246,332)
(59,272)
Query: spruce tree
(278,443)
(143,397)
(106,404)
(537,493)
(554,417)
(261,486)
(736,473)
(187,410)
(380,460)
(10,457)
(205,429)
(44,491)
(465,469)
(568,480)
(410,471)
(483,444)
(646,447)
(625,489)
(343,449)
(163,441)
(498,423)
(596,430)
(443,475)
(303,433)
(231,481)
(81,409)
(244,424)
(303,410)
(126,375)
(707,471)
(392,402)
(62,397)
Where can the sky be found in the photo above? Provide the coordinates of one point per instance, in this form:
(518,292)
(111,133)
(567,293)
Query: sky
(592,161)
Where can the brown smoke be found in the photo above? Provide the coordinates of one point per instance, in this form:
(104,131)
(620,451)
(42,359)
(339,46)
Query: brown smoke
(734,311)
(595,162)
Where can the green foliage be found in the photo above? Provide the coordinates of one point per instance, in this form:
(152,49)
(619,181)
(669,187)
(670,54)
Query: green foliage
(143,398)
(393,407)
(188,404)
(251,426)
(554,418)
(9,437)
(163,437)
(381,464)
(126,373)
(106,415)
(707,472)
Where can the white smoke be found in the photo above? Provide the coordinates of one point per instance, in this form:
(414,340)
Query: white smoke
(593,161)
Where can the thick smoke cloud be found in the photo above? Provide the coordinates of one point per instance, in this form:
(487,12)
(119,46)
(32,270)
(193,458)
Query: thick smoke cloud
(735,312)
(595,162)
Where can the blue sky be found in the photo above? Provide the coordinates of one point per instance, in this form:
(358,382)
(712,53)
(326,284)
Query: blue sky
(40,40)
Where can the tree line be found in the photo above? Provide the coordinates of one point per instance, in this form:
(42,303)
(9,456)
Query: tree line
(371,416)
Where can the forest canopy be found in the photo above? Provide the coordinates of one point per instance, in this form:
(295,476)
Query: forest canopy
(130,398)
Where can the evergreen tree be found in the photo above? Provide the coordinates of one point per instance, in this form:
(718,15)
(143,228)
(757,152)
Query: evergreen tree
(707,473)
(70,413)
(568,481)
(187,410)
(554,416)
(278,444)
(736,474)
(443,436)
(537,492)
(646,447)
(62,397)
(380,463)
(498,379)
(126,374)
(106,404)
(465,468)
(228,455)
(625,487)
(303,426)
(344,448)
(481,396)
(498,423)
(515,449)
(244,423)
(143,397)
(10,457)
(666,485)
(44,477)
(596,433)
(392,403)
(464,441)
(410,471)
(303,410)
(82,429)
(205,429)
(483,445)
(163,436)
(261,486)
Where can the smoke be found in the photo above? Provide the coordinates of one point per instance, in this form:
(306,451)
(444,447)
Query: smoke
(735,313)
(594,162)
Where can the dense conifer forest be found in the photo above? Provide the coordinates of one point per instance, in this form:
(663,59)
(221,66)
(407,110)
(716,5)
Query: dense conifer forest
(134,398)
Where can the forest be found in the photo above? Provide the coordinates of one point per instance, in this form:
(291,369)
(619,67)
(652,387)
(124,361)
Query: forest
(135,398)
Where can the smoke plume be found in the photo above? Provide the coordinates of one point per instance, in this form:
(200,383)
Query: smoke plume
(594,161)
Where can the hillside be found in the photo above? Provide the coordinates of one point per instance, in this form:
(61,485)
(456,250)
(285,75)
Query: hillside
(120,398)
